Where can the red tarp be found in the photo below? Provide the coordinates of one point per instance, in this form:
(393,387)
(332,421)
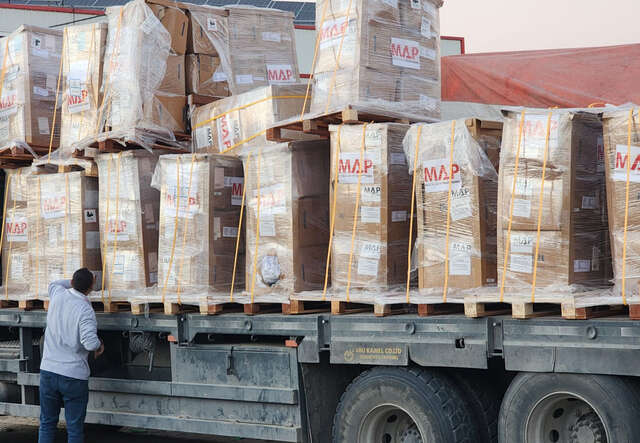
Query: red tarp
(568,78)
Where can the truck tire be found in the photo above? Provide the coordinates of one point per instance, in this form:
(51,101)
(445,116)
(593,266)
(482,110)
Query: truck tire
(393,405)
(483,398)
(540,407)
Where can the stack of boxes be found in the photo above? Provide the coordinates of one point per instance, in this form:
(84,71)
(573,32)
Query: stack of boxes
(572,246)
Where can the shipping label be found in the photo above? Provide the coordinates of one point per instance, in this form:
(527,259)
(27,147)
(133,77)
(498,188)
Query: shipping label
(521,263)
(622,163)
(581,265)
(367,266)
(212,24)
(271,37)
(436,175)
(370,214)
(17,264)
(590,202)
(398,158)
(522,243)
(521,208)
(90,215)
(17,229)
(349,168)
(428,53)
(230,231)
(371,250)
(398,216)
(461,206)
(204,138)
(280,75)
(405,53)
(267,225)
(425,27)
(460,258)
(415,4)
(92,240)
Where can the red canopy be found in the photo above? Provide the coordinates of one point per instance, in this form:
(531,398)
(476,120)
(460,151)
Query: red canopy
(568,78)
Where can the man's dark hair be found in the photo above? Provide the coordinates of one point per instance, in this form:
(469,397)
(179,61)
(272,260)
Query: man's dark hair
(82,280)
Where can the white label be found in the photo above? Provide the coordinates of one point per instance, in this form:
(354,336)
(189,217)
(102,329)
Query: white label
(370,214)
(267,226)
(429,8)
(54,205)
(589,202)
(244,79)
(4,129)
(228,130)
(398,158)
(349,168)
(535,135)
(17,229)
(405,53)
(522,243)
(43,125)
(280,74)
(521,208)
(273,199)
(428,103)
(219,76)
(460,258)
(581,265)
(236,185)
(229,231)
(204,138)
(371,193)
(415,4)
(399,216)
(368,266)
(436,175)
(373,137)
(461,204)
(90,216)
(75,103)
(427,53)
(621,164)
(212,24)
(17,266)
(521,263)
(41,91)
(75,87)
(371,250)
(425,27)
(271,37)
(92,240)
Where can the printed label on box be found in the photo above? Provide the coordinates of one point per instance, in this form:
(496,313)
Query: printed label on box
(349,168)
(589,202)
(371,193)
(280,75)
(229,130)
(405,53)
(267,226)
(43,125)
(229,231)
(53,205)
(244,79)
(425,27)
(203,136)
(460,258)
(212,24)
(415,4)
(333,30)
(90,216)
(622,163)
(521,263)
(581,265)
(367,266)
(535,135)
(521,208)
(78,101)
(436,175)
(398,158)
(273,199)
(399,216)
(17,229)
(16,263)
(371,250)
(236,184)
(461,204)
(271,37)
(189,197)
(41,91)
(370,214)
(427,53)
(522,243)
(92,240)
(119,229)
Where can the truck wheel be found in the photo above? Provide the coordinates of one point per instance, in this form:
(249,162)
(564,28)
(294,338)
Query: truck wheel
(483,397)
(398,405)
(572,408)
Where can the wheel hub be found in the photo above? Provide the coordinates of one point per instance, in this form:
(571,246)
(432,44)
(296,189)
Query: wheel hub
(588,429)
(411,435)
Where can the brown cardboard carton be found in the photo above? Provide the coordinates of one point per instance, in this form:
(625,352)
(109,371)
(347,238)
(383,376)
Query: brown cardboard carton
(202,74)
(27,95)
(208,27)
(175,22)
(174,77)
(204,233)
(82,77)
(167,111)
(287,185)
(64,235)
(129,227)
(382,213)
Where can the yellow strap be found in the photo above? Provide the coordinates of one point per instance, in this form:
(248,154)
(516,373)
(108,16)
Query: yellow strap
(4,64)
(333,213)
(4,226)
(116,48)
(55,108)
(315,57)
(335,68)
(255,249)
(239,108)
(115,237)
(355,211)
(39,242)
(626,209)
(242,142)
(413,201)
(544,170)
(175,229)
(513,191)
(66,221)
(186,228)
(235,257)
(446,244)
(105,240)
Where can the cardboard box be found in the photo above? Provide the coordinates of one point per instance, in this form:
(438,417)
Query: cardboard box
(207,228)
(208,30)
(28,93)
(290,251)
(63,216)
(202,78)
(82,78)
(16,260)
(384,204)
(129,229)
(174,77)
(166,112)
(175,22)
(240,121)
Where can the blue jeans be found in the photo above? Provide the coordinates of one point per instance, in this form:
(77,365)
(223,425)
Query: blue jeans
(56,391)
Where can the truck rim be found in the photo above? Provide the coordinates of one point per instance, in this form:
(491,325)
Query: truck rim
(389,424)
(564,417)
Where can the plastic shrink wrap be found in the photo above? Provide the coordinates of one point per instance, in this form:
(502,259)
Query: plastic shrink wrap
(378,56)
(255,46)
(201,76)
(551,205)
(287,213)
(370,195)
(200,201)
(621,138)
(240,122)
(455,202)
(64,236)
(29,66)
(16,261)
(129,209)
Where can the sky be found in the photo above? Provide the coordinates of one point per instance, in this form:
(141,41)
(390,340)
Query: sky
(511,25)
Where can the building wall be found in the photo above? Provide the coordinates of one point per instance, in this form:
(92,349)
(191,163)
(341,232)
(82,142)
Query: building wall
(10,19)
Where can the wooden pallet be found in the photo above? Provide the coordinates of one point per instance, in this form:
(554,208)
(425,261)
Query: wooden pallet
(482,309)
(379,310)
(25,305)
(19,157)
(134,308)
(433,309)
(571,312)
(114,146)
(319,126)
(295,307)
(90,169)
(210,308)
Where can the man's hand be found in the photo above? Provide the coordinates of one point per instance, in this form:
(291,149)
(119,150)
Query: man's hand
(99,351)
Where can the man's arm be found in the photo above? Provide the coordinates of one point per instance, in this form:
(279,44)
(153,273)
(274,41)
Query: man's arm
(57,286)
(89,331)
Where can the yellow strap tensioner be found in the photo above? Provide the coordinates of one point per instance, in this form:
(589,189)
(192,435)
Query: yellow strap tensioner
(626,208)
(413,201)
(235,256)
(255,249)
(446,245)
(355,211)
(185,230)
(513,191)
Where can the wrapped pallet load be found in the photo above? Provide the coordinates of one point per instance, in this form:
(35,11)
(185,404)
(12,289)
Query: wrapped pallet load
(287,213)
(64,236)
(16,261)
(30,61)
(455,201)
(129,226)
(622,160)
(378,56)
(200,201)
(552,224)
(370,195)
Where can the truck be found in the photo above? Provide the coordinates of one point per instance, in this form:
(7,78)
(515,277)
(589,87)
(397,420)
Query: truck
(318,377)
